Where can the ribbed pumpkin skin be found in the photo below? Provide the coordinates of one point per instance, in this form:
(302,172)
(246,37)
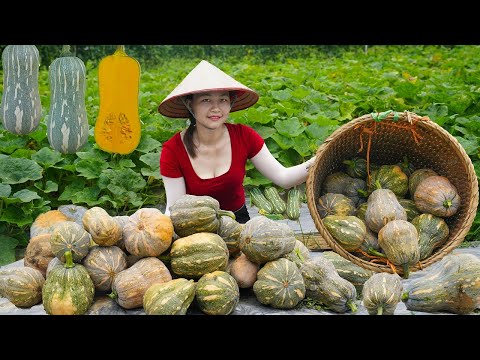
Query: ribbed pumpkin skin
(453,285)
(299,254)
(39,253)
(170,298)
(410,208)
(130,285)
(229,230)
(103,228)
(335,183)
(279,284)
(348,231)
(361,210)
(22,286)
(436,195)
(68,291)
(323,283)
(381,293)
(122,220)
(21,108)
(198,254)
(399,241)
(348,270)
(73,212)
(103,263)
(383,207)
(356,167)
(417,177)
(432,232)
(353,189)
(263,240)
(390,177)
(67,124)
(217,293)
(43,222)
(192,214)
(105,305)
(148,233)
(335,204)
(70,236)
(294,203)
(117,129)
(272,195)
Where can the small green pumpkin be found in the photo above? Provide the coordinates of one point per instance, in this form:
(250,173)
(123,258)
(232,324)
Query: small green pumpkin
(410,208)
(217,293)
(390,177)
(381,293)
(22,286)
(382,208)
(348,231)
(69,236)
(170,298)
(299,254)
(335,204)
(229,230)
(432,232)
(356,167)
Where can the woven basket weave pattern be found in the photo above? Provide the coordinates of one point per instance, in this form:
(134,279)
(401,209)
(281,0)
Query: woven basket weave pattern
(436,149)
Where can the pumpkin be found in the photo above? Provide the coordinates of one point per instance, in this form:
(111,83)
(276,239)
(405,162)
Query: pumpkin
(22,286)
(244,271)
(381,293)
(272,195)
(118,128)
(263,240)
(335,204)
(390,177)
(410,208)
(73,212)
(67,124)
(258,199)
(43,222)
(356,190)
(21,108)
(432,233)
(452,284)
(192,214)
(436,195)
(103,263)
(370,244)
(335,183)
(382,207)
(399,241)
(294,203)
(105,305)
(217,293)
(356,167)
(122,220)
(148,233)
(406,165)
(348,270)
(198,254)
(417,177)
(69,236)
(299,254)
(169,298)
(68,290)
(323,283)
(129,286)
(39,253)
(348,231)
(361,210)
(104,229)
(279,284)
(229,230)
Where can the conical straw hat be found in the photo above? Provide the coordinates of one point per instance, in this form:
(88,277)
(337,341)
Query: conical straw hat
(204,77)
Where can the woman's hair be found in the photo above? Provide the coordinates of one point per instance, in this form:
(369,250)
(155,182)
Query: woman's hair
(188,137)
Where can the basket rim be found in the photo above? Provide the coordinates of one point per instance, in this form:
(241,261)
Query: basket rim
(447,247)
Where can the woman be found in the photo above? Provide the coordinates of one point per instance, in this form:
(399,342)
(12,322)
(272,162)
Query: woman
(209,157)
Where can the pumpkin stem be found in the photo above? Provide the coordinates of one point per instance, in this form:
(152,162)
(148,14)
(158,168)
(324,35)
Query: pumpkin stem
(68,260)
(406,271)
(113,295)
(66,51)
(377,184)
(372,251)
(221,213)
(405,296)
(351,306)
(447,203)
(380,310)
(120,50)
(362,193)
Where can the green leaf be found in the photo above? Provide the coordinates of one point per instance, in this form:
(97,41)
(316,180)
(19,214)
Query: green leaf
(303,145)
(47,157)
(469,143)
(260,115)
(18,171)
(26,195)
(71,190)
(23,153)
(5,190)
(264,131)
(346,110)
(11,142)
(93,154)
(7,249)
(148,144)
(320,133)
(14,215)
(283,141)
(91,168)
(282,95)
(88,195)
(289,128)
(151,159)
(126,179)
(50,186)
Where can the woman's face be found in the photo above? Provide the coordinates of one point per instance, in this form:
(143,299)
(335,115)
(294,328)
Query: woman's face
(211,108)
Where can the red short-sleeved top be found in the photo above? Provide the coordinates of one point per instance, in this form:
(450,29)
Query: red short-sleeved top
(226,188)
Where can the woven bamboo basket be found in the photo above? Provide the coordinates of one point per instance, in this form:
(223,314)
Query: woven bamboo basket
(426,144)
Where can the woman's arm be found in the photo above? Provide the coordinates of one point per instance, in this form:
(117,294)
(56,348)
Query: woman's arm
(174,189)
(279,174)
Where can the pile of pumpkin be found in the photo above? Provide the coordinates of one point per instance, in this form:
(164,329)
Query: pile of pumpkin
(398,215)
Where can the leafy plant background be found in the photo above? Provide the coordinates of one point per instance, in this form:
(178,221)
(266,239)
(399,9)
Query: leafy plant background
(306,92)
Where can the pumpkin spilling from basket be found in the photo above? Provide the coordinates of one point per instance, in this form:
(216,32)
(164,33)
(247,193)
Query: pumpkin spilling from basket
(392,193)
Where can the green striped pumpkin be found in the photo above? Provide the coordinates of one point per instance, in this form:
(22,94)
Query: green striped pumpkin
(348,231)
(432,233)
(217,293)
(293,204)
(170,298)
(103,263)
(22,286)
(67,125)
(260,201)
(69,236)
(381,293)
(198,254)
(229,230)
(279,284)
(272,195)
(21,108)
(68,290)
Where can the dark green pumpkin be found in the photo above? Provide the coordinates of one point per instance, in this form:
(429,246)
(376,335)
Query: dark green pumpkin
(229,230)
(417,177)
(432,232)
(390,177)
(192,214)
(335,204)
(335,183)
(104,305)
(171,298)
(217,293)
(348,231)
(68,290)
(22,286)
(356,167)
(381,293)
(410,208)
(279,284)
(69,236)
